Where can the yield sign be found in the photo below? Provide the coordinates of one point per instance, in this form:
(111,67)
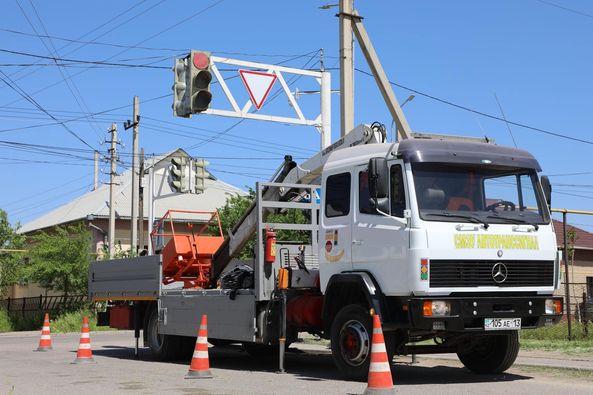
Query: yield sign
(258,85)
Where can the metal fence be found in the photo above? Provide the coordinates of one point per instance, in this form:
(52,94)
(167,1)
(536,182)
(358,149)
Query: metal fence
(42,303)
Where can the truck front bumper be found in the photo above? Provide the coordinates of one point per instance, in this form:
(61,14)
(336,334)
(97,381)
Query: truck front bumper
(469,313)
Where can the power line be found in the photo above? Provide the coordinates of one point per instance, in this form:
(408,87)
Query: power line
(92,62)
(465,108)
(25,95)
(565,8)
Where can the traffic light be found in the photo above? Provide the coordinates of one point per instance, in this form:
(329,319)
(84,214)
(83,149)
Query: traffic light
(177,174)
(201,175)
(181,99)
(200,78)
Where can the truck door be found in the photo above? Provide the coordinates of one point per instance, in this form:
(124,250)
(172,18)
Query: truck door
(336,226)
(380,243)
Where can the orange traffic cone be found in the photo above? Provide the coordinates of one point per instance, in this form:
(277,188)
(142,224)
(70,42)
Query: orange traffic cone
(45,341)
(380,381)
(84,353)
(200,367)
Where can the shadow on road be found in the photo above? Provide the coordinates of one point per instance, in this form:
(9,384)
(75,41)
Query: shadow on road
(310,366)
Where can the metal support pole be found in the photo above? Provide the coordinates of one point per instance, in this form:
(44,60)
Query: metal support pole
(135,175)
(150,205)
(113,152)
(136,328)
(141,202)
(326,110)
(346,69)
(566,285)
(282,339)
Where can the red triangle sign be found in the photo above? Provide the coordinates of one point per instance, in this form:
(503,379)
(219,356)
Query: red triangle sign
(258,85)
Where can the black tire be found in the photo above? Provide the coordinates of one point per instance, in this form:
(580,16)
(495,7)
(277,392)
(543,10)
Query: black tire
(351,338)
(493,354)
(163,347)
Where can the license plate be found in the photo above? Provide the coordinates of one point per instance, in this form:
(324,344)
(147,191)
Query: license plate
(502,324)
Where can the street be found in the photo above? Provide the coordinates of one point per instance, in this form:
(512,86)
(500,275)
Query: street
(309,370)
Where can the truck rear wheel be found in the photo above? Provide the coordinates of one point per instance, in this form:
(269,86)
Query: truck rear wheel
(351,337)
(163,347)
(493,354)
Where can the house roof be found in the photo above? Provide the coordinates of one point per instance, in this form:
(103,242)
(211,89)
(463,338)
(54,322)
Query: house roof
(95,204)
(584,239)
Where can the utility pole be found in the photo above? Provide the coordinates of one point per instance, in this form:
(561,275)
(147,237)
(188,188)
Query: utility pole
(346,69)
(134,213)
(96,173)
(112,174)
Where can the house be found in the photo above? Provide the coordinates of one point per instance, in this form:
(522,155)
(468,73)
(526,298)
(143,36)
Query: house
(580,264)
(92,209)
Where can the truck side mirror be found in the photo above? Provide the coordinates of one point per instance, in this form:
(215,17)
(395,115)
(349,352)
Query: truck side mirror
(379,184)
(547,187)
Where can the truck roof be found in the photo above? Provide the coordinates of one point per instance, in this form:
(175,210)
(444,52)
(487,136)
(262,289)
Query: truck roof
(436,150)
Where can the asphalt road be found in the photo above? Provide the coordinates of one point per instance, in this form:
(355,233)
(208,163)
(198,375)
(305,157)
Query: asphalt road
(311,371)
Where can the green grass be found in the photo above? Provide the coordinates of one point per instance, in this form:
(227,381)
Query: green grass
(5,324)
(555,338)
(566,373)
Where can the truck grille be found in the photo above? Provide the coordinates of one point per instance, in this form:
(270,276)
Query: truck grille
(455,273)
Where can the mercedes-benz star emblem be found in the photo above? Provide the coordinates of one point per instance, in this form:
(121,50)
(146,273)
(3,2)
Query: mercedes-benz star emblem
(499,253)
(499,273)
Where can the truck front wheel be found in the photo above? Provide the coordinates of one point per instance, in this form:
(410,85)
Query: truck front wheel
(351,337)
(492,354)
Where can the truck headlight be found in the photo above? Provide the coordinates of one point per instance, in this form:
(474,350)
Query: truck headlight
(553,306)
(436,308)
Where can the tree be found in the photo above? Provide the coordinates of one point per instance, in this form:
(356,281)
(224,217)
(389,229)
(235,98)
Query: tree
(237,205)
(10,261)
(59,259)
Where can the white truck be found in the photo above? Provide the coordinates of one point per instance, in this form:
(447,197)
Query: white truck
(446,239)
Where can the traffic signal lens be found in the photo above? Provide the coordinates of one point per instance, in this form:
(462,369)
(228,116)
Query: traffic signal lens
(202,80)
(201,60)
(202,100)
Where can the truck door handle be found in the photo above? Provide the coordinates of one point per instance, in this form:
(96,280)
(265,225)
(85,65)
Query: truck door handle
(357,242)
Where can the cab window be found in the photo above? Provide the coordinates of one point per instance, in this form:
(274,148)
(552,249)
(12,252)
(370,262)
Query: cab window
(337,195)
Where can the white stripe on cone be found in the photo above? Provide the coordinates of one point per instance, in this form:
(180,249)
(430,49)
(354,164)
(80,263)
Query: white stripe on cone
(202,340)
(85,335)
(200,354)
(45,329)
(84,346)
(45,337)
(380,367)
(378,347)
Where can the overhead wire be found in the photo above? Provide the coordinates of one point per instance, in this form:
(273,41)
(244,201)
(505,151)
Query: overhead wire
(465,108)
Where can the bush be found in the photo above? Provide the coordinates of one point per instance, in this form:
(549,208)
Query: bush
(5,324)
(72,321)
(28,322)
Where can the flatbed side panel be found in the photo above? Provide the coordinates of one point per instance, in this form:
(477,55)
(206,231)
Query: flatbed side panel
(227,318)
(126,279)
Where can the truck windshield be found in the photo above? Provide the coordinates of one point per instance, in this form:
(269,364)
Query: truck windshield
(486,194)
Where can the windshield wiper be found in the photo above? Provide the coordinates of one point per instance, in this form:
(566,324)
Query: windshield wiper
(473,219)
(514,221)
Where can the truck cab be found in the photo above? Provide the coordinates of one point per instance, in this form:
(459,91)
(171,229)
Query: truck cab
(448,240)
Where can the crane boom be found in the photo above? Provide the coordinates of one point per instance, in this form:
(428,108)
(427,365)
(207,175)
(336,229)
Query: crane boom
(307,172)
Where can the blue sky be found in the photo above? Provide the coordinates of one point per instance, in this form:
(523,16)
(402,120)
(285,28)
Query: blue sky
(534,55)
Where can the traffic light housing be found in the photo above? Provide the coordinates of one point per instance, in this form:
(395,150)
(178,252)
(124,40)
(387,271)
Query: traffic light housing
(177,174)
(181,93)
(201,175)
(200,78)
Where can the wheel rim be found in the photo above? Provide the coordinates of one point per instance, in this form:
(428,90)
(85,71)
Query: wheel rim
(354,343)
